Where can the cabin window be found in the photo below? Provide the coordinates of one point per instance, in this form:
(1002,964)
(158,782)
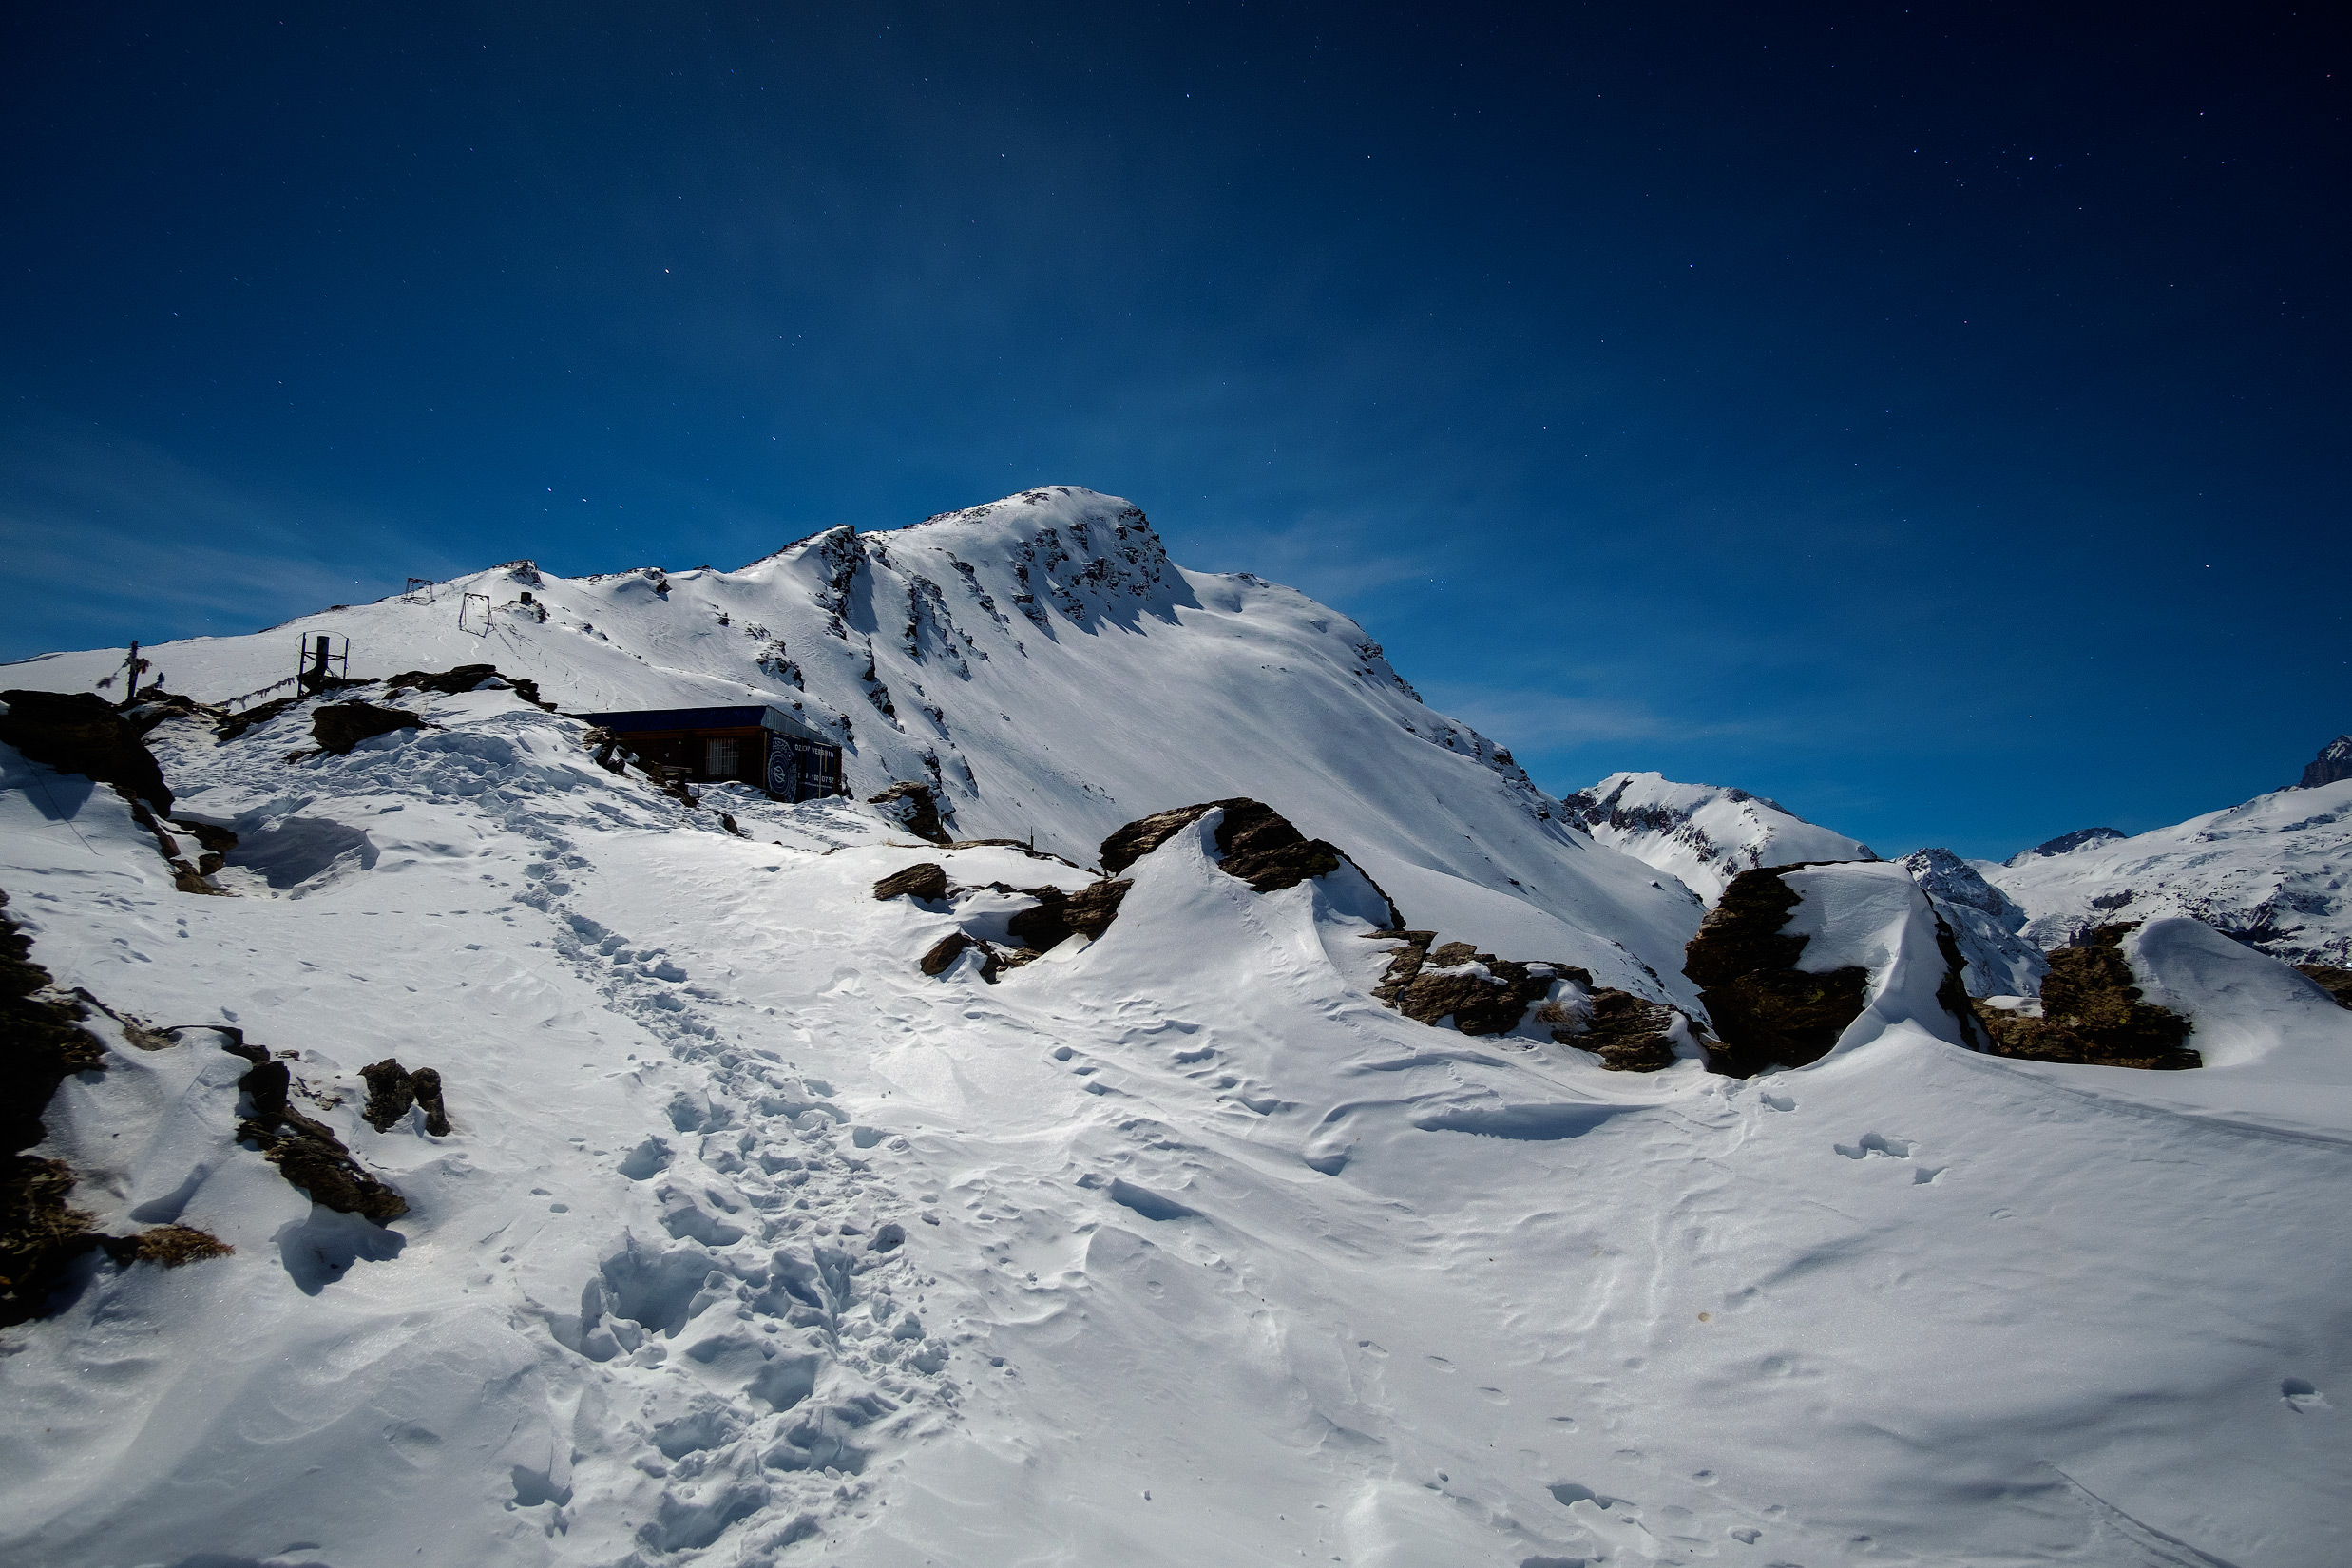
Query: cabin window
(722,758)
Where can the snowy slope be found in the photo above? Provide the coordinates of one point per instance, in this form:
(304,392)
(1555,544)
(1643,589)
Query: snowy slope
(1704,833)
(753,1245)
(1043,663)
(2272,872)
(1985,921)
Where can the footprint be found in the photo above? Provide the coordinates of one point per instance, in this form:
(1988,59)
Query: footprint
(2301,1395)
(1873,1143)
(1780,1103)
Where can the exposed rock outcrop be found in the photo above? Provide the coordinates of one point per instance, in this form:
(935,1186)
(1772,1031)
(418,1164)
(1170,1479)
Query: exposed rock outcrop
(2333,765)
(2065,844)
(466,678)
(1766,1010)
(1254,843)
(1630,1034)
(949,947)
(41,1041)
(925,880)
(2335,981)
(78,733)
(1482,994)
(304,1150)
(914,808)
(339,726)
(393,1089)
(2091,1012)
(1060,916)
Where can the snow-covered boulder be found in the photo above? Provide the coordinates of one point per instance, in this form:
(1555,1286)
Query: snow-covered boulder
(1797,962)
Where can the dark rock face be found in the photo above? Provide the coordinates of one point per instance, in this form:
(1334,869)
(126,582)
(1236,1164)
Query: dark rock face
(1254,842)
(926,880)
(1059,915)
(339,726)
(914,808)
(2092,1013)
(464,678)
(169,1246)
(1429,984)
(1131,843)
(2333,764)
(949,947)
(41,1041)
(2068,843)
(260,713)
(1630,1034)
(2336,983)
(77,733)
(391,1089)
(305,1152)
(218,842)
(1767,1010)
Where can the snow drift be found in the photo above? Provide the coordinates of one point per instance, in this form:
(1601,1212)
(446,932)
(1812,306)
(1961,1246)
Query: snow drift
(750,1242)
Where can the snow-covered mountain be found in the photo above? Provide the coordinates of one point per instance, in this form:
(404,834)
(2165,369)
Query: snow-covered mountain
(1704,833)
(1986,923)
(2275,873)
(1043,665)
(792,1208)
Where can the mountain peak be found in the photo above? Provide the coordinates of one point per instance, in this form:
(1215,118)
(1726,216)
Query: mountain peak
(2333,764)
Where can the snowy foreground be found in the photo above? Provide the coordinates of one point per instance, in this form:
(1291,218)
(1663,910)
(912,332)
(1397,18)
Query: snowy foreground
(753,1244)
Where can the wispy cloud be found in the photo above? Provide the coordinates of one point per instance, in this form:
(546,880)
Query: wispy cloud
(123,539)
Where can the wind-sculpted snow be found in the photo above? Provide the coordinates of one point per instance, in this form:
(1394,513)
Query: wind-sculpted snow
(751,1243)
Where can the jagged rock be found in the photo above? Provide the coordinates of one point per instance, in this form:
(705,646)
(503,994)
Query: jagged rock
(1139,838)
(1766,1010)
(339,726)
(1254,842)
(260,713)
(924,880)
(1060,915)
(393,1089)
(1628,1033)
(2336,983)
(41,1041)
(1484,994)
(466,678)
(425,1083)
(913,807)
(2065,844)
(78,733)
(216,841)
(949,947)
(2091,1012)
(2333,764)
(167,1246)
(306,1152)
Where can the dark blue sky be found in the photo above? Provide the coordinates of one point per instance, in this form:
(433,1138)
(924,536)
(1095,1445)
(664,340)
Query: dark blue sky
(1935,418)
